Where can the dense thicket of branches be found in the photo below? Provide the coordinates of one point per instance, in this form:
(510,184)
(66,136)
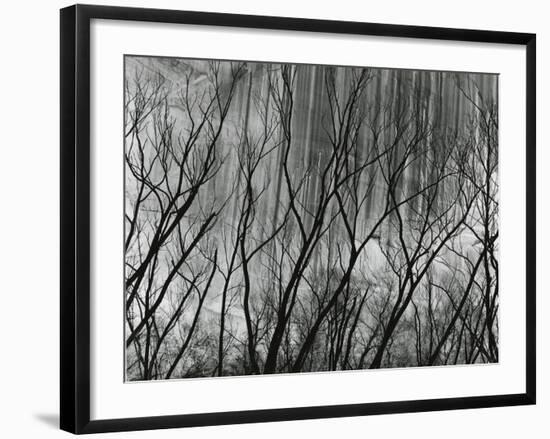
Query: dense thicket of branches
(284,218)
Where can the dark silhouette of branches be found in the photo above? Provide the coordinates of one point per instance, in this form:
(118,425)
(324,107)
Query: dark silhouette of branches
(171,167)
(287,218)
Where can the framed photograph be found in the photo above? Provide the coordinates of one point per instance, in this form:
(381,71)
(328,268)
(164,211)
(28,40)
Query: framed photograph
(268,218)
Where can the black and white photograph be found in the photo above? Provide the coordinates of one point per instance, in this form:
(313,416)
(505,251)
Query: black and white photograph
(274,220)
(284,218)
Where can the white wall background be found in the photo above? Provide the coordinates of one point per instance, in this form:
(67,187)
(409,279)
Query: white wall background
(29,206)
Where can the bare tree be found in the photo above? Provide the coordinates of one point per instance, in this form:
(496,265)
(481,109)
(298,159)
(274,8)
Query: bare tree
(170,162)
(285,218)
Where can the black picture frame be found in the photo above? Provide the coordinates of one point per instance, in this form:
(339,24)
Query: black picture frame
(75,217)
